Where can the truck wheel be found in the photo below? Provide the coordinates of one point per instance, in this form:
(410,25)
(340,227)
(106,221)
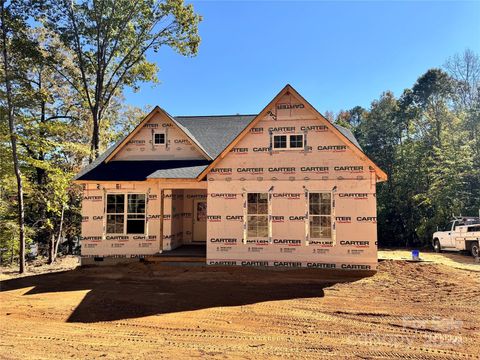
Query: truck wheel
(436,246)
(475,250)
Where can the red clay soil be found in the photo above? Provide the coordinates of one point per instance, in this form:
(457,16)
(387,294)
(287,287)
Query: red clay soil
(150,311)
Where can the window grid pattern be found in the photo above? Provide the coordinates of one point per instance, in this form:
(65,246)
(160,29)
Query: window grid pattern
(136,214)
(290,141)
(320,215)
(280,141)
(133,212)
(115,213)
(159,139)
(296,141)
(257,215)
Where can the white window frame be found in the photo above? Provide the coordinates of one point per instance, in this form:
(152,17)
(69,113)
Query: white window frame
(288,142)
(125,214)
(266,215)
(164,138)
(330,216)
(107,214)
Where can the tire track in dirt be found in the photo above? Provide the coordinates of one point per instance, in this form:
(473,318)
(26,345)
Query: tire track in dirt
(376,317)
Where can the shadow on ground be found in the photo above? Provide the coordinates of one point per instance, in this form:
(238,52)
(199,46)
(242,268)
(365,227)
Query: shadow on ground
(117,292)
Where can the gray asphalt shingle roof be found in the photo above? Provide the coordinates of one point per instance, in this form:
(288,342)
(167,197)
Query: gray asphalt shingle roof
(189,172)
(215,132)
(348,134)
(190,135)
(211,133)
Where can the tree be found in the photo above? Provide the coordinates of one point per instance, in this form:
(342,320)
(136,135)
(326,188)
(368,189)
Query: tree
(431,94)
(352,118)
(110,40)
(378,135)
(48,132)
(465,69)
(13,27)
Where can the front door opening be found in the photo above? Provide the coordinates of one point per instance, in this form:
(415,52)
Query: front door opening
(199,221)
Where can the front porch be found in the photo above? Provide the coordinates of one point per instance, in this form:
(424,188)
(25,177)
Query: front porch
(183,220)
(191,253)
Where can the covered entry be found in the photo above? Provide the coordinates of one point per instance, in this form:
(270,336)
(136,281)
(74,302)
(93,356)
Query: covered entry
(183,213)
(199,221)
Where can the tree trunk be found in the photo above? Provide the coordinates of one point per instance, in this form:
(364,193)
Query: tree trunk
(12,253)
(13,140)
(95,136)
(59,234)
(70,245)
(41,173)
(51,249)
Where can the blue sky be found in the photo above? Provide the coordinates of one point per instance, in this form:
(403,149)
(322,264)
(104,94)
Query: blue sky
(336,54)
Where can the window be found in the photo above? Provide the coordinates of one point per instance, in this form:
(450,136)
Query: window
(296,141)
(280,141)
(449,226)
(133,211)
(320,210)
(136,214)
(257,215)
(456,224)
(290,141)
(115,213)
(159,139)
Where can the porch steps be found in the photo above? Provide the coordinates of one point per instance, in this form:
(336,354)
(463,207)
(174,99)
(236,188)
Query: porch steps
(183,254)
(175,259)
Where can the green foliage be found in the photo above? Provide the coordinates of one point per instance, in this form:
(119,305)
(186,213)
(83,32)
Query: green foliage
(71,61)
(9,228)
(427,142)
(109,41)
(54,128)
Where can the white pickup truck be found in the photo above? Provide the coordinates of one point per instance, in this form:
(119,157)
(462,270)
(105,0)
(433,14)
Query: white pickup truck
(461,234)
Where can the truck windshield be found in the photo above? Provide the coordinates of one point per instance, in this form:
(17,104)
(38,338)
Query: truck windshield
(472,221)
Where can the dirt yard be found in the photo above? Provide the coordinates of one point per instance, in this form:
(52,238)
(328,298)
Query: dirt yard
(144,311)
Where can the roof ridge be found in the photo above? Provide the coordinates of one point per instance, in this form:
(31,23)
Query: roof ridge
(197,116)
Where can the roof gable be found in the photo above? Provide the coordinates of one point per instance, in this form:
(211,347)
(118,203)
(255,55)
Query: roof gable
(213,133)
(215,136)
(157,111)
(277,108)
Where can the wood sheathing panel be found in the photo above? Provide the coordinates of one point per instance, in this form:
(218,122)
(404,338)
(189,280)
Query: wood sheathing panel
(141,146)
(177,220)
(325,164)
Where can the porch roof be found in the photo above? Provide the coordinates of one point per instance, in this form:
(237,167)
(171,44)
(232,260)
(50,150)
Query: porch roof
(143,169)
(187,172)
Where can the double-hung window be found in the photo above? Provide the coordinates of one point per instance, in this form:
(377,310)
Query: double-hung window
(320,215)
(125,214)
(115,213)
(136,214)
(257,215)
(288,141)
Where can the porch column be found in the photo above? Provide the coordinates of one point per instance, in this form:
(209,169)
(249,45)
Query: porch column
(162,191)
